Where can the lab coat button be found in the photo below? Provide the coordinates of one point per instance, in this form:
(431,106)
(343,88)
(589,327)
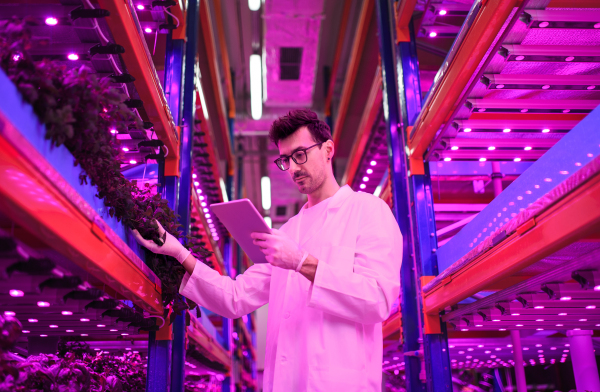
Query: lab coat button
(283,359)
(286,315)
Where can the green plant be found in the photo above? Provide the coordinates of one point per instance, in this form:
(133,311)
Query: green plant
(78,110)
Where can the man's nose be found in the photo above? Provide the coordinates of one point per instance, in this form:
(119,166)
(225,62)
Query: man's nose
(294,167)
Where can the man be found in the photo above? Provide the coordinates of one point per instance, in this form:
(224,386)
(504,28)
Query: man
(332,277)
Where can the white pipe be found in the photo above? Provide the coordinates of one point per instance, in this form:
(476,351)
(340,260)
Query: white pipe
(518,358)
(584,361)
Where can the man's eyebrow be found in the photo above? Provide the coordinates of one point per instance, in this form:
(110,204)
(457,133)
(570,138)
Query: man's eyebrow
(293,151)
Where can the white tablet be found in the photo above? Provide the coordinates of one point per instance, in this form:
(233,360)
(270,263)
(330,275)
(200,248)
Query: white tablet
(241,218)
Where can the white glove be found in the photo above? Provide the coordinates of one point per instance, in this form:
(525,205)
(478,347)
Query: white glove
(172,247)
(280,250)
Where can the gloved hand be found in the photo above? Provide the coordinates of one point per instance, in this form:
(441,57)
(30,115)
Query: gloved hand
(172,247)
(280,250)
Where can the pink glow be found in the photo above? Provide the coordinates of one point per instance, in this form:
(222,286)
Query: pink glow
(527,148)
(84,320)
(545,87)
(491,148)
(43,304)
(506,130)
(515,314)
(16,57)
(546,130)
(205,210)
(66,313)
(454,148)
(433,34)
(69,330)
(53,326)
(100,325)
(209,220)
(9,313)
(362,186)
(482,159)
(203,204)
(499,86)
(562,314)
(565,298)
(113,330)
(84,334)
(125,149)
(365,179)
(51,21)
(517,159)
(16,293)
(373,163)
(597,288)
(44,336)
(201,197)
(194,176)
(543,24)
(199,190)
(443,12)
(25,331)
(447,159)
(124,334)
(32,320)
(73,57)
(196,183)
(467,130)
(133,161)
(519,58)
(113,131)
(148,30)
(140,7)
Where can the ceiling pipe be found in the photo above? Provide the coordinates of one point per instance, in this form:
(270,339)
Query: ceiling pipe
(225,58)
(336,58)
(209,41)
(360,38)
(365,127)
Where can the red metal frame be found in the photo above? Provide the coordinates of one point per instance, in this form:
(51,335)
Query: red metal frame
(122,25)
(364,20)
(61,225)
(478,40)
(369,116)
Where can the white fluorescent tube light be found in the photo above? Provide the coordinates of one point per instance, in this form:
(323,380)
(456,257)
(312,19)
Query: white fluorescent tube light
(254,5)
(223,190)
(256,86)
(269,222)
(265,189)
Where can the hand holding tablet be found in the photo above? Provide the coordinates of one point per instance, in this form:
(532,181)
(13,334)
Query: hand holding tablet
(241,218)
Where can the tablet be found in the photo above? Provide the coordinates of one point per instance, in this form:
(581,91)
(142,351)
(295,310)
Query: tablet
(241,218)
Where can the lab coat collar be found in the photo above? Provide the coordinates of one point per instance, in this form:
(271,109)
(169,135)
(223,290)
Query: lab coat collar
(336,202)
(338,199)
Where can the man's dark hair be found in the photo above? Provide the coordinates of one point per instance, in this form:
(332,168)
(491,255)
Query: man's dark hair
(286,125)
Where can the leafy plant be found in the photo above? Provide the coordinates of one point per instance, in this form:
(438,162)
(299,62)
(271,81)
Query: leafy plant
(79,110)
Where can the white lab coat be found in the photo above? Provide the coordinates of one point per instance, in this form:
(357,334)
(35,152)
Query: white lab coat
(321,336)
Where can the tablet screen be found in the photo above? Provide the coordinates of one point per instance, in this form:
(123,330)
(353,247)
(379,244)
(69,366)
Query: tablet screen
(241,218)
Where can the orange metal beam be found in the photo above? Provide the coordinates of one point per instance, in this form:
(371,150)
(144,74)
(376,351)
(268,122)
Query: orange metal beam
(403,13)
(139,64)
(364,20)
(211,53)
(480,37)
(337,55)
(224,58)
(392,325)
(365,127)
(574,217)
(210,348)
(30,196)
(217,258)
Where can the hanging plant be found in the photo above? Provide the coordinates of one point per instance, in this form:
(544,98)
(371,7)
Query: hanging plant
(78,111)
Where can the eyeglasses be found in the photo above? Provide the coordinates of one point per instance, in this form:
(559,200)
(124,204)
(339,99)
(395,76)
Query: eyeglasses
(299,156)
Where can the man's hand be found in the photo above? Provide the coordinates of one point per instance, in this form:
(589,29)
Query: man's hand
(172,247)
(280,250)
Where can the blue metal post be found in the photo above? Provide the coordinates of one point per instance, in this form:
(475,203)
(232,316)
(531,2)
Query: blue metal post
(396,122)
(185,181)
(423,233)
(435,346)
(159,350)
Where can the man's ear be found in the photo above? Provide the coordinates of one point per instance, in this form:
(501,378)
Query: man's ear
(330,149)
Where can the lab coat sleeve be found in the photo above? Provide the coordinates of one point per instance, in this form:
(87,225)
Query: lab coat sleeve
(366,294)
(225,296)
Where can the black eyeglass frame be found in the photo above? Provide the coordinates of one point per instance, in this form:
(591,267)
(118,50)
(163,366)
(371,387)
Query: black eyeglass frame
(280,159)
